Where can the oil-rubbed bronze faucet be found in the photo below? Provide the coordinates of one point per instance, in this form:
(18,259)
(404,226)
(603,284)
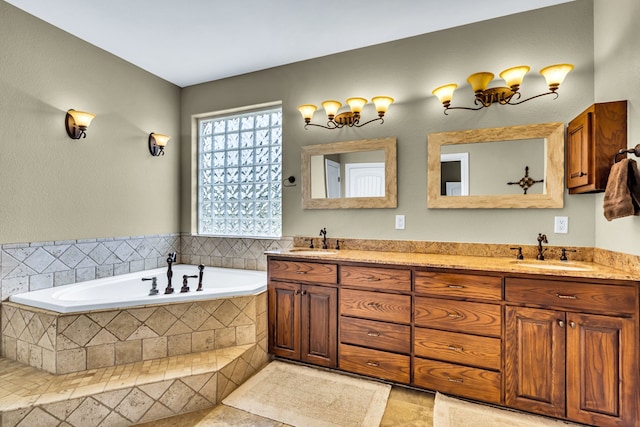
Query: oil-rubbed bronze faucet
(542,238)
(170,260)
(323,234)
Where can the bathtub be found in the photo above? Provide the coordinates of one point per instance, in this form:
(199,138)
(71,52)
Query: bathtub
(128,290)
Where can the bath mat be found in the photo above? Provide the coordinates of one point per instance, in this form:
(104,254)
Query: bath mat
(450,412)
(305,397)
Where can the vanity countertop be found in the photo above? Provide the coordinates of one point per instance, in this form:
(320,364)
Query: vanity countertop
(463,262)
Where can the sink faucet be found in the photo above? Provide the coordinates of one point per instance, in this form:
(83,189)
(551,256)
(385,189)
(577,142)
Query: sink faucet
(542,238)
(170,260)
(323,234)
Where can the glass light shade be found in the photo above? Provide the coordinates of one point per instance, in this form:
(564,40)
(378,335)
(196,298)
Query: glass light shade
(513,76)
(161,140)
(331,107)
(445,93)
(382,103)
(480,81)
(81,118)
(555,74)
(307,111)
(356,104)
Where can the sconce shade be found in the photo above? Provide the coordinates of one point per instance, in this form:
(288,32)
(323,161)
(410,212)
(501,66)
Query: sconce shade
(77,122)
(307,111)
(513,76)
(480,81)
(356,104)
(382,103)
(445,93)
(331,107)
(555,74)
(157,142)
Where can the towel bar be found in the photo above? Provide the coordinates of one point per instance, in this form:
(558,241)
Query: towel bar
(635,150)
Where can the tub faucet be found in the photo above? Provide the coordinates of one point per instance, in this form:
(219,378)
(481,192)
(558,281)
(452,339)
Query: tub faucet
(542,238)
(185,280)
(323,234)
(170,260)
(154,284)
(201,268)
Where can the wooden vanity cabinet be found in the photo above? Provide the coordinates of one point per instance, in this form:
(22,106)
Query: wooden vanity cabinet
(303,301)
(593,139)
(576,358)
(375,322)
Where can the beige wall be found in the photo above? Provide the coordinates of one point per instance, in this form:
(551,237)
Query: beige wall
(617,77)
(56,188)
(408,70)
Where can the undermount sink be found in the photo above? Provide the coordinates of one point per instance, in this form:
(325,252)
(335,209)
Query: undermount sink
(304,251)
(553,265)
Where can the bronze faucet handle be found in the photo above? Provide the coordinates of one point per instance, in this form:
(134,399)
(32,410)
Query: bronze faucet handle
(563,256)
(310,243)
(519,254)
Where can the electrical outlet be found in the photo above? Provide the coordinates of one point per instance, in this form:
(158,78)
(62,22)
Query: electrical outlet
(399,222)
(561,225)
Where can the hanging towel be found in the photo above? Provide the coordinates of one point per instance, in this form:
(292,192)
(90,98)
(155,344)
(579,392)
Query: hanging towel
(622,195)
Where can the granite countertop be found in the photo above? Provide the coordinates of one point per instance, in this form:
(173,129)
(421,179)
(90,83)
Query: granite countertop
(577,269)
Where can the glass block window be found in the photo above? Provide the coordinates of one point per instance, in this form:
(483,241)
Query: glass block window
(240,174)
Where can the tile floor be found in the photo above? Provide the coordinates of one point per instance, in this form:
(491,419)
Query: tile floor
(405,408)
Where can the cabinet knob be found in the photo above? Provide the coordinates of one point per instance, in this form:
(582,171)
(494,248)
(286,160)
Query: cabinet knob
(561,323)
(572,324)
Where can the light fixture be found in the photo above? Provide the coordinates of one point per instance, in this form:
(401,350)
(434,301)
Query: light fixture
(348,118)
(157,142)
(503,95)
(77,122)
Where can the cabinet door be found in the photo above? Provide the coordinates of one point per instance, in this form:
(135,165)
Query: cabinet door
(535,360)
(319,314)
(284,319)
(578,138)
(601,370)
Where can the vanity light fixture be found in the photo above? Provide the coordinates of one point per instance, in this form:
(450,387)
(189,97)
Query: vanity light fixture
(348,118)
(77,122)
(157,142)
(503,95)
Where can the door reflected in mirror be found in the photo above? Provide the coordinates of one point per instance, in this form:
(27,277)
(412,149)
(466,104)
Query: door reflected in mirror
(351,174)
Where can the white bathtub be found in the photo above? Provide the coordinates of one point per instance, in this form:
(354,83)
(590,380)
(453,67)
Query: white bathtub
(128,290)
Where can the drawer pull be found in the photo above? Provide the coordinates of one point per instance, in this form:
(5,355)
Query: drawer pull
(561,296)
(373,333)
(373,279)
(456,287)
(373,304)
(372,363)
(301,272)
(455,380)
(454,315)
(455,348)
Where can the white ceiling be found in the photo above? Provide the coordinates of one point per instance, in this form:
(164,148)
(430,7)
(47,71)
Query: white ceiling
(193,41)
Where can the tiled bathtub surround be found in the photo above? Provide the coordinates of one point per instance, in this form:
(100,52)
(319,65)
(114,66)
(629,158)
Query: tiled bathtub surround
(228,252)
(31,266)
(63,343)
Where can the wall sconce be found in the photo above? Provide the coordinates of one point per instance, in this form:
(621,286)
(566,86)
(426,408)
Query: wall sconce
(349,118)
(77,122)
(504,95)
(157,142)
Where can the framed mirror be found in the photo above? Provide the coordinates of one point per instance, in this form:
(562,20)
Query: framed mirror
(352,174)
(508,167)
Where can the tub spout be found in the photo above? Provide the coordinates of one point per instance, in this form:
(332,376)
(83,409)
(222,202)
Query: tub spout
(185,280)
(201,268)
(154,285)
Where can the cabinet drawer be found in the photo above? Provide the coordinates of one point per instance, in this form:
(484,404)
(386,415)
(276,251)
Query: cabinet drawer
(459,316)
(376,277)
(375,305)
(459,380)
(375,363)
(458,348)
(459,285)
(303,271)
(572,295)
(380,335)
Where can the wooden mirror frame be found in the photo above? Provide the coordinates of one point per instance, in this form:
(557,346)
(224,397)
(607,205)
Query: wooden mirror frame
(390,199)
(552,195)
